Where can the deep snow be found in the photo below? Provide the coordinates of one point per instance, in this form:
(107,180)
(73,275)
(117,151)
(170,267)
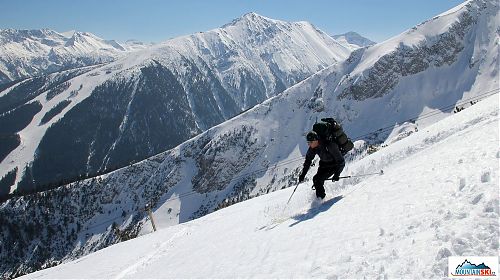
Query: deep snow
(438,197)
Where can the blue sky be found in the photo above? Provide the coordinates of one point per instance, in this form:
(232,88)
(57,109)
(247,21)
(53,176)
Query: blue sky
(159,20)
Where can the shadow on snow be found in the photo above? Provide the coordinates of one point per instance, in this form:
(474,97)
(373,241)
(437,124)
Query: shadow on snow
(313,212)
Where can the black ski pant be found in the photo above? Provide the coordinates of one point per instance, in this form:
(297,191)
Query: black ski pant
(325,170)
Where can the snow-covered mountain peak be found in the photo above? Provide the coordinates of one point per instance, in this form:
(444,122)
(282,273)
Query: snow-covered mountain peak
(457,8)
(252,16)
(27,53)
(135,45)
(254,23)
(28,32)
(69,33)
(81,38)
(271,37)
(433,43)
(18,36)
(464,14)
(90,42)
(353,40)
(250,19)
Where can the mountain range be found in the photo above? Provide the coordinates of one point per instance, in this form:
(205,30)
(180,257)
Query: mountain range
(380,94)
(151,100)
(28,53)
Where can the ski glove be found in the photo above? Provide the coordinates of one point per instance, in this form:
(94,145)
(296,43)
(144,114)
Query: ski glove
(302,177)
(335,177)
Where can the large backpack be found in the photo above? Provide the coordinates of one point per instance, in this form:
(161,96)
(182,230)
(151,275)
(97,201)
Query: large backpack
(330,130)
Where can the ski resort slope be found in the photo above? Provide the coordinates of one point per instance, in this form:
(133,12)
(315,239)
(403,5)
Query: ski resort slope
(438,197)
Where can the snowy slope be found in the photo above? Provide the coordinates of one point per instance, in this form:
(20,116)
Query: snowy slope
(28,53)
(438,197)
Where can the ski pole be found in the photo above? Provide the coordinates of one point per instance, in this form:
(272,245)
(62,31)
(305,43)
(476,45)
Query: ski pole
(362,175)
(293,193)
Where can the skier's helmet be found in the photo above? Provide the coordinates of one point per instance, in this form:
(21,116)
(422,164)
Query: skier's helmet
(312,136)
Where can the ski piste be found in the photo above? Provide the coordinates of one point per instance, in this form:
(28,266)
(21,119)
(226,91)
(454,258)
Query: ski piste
(316,205)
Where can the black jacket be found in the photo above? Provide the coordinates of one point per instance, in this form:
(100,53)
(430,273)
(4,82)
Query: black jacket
(329,155)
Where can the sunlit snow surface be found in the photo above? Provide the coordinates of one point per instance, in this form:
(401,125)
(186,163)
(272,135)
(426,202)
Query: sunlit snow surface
(438,197)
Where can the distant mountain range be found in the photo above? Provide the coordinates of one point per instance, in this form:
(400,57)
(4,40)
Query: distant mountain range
(29,53)
(405,83)
(353,40)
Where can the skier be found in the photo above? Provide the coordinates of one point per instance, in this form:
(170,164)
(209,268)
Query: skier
(331,162)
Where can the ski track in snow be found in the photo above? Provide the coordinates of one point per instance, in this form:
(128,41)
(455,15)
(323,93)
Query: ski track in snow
(161,251)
